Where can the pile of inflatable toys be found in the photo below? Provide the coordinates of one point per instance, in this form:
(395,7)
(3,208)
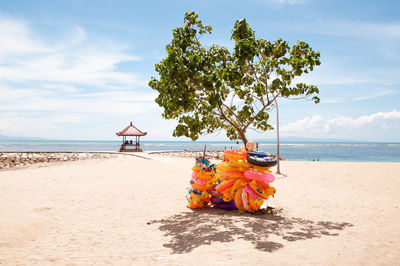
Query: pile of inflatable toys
(240,182)
(204,178)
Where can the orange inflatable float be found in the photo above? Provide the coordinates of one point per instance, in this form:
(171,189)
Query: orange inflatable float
(234,184)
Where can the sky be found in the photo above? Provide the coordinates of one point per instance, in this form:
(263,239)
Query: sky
(78,70)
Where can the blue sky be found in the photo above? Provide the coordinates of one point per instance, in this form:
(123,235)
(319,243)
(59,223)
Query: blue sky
(79,69)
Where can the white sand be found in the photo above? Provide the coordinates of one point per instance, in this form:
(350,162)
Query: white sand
(131,210)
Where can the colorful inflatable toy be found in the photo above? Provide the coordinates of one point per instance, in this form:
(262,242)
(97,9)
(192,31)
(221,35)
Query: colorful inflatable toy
(202,181)
(260,176)
(234,155)
(261,159)
(240,182)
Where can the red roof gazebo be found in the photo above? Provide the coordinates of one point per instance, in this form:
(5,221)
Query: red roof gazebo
(129,131)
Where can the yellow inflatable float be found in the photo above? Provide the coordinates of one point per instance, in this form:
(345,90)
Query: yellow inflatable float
(234,184)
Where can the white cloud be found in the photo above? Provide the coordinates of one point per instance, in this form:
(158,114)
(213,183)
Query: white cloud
(303,126)
(378,126)
(4,124)
(333,72)
(375,121)
(65,86)
(375,95)
(68,100)
(25,56)
(16,39)
(326,77)
(66,112)
(374,39)
(352,96)
(338,84)
(360,29)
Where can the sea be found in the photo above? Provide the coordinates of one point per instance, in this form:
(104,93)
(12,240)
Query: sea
(295,151)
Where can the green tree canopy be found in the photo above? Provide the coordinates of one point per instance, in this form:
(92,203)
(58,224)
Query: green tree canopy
(209,89)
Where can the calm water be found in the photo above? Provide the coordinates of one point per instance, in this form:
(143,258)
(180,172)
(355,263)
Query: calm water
(356,152)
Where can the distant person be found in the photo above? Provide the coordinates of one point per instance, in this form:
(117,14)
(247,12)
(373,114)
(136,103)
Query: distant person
(130,142)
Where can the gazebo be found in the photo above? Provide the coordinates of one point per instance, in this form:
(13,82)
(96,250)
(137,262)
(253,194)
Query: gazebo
(129,131)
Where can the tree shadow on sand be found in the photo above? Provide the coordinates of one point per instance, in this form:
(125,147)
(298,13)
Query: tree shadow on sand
(192,229)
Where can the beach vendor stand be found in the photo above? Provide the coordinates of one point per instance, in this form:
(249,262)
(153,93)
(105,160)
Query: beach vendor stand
(131,146)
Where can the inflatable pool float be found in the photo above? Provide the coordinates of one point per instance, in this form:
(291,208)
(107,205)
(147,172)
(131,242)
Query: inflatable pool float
(238,199)
(261,159)
(239,165)
(204,165)
(271,191)
(228,206)
(225,185)
(234,155)
(217,200)
(255,204)
(220,203)
(225,166)
(238,184)
(251,192)
(258,153)
(243,165)
(245,199)
(197,180)
(197,198)
(259,188)
(203,169)
(263,177)
(231,174)
(205,187)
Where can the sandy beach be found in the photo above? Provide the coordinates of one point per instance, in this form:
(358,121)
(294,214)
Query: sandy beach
(132,211)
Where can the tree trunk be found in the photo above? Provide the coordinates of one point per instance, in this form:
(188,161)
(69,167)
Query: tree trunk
(243,138)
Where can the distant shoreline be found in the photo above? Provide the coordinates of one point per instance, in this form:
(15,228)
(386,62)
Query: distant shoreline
(336,152)
(227,142)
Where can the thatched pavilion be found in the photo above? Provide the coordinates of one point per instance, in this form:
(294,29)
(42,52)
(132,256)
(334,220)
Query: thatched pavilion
(131,131)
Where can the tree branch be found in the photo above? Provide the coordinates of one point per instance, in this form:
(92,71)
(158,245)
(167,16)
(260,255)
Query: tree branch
(223,104)
(254,117)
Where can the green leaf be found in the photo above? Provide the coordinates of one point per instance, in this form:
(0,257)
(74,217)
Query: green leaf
(209,88)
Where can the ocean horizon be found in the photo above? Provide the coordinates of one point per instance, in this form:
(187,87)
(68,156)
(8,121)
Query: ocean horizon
(292,150)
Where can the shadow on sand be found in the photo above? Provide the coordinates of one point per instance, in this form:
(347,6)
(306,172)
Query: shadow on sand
(192,229)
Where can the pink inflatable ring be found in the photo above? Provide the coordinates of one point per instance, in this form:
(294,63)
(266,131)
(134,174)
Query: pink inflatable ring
(198,180)
(260,176)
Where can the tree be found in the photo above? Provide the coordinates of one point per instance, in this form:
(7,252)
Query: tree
(212,89)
